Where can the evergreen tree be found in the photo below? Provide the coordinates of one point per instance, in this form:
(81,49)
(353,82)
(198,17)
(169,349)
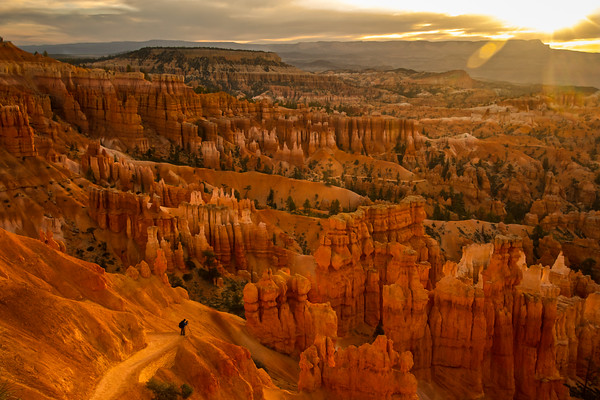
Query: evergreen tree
(334,208)
(290,205)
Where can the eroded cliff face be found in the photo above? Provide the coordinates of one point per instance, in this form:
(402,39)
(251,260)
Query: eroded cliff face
(66,322)
(371,371)
(238,71)
(280,316)
(363,252)
(128,109)
(221,225)
(507,330)
(184,221)
(16,136)
(490,326)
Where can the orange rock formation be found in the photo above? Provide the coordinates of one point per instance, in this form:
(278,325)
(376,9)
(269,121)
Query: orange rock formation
(279,315)
(16,136)
(371,371)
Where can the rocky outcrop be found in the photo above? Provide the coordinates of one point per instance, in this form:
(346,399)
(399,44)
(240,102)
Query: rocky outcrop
(363,251)
(164,104)
(225,225)
(130,108)
(16,136)
(219,369)
(279,315)
(553,199)
(107,114)
(47,237)
(97,165)
(587,223)
(501,327)
(220,225)
(126,212)
(249,72)
(371,371)
(404,305)
(458,335)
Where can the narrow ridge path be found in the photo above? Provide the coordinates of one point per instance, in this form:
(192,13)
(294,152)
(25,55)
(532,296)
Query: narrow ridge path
(142,365)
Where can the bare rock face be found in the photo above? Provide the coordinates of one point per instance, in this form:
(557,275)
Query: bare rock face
(371,371)
(293,137)
(221,370)
(220,224)
(373,266)
(211,155)
(536,373)
(160,264)
(225,225)
(107,114)
(144,268)
(501,327)
(16,136)
(125,107)
(164,104)
(279,315)
(131,214)
(48,238)
(458,331)
(133,273)
(587,224)
(404,306)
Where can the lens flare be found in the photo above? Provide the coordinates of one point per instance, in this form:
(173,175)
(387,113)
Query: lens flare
(482,55)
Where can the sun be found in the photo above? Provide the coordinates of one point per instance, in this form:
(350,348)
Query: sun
(535,16)
(541,18)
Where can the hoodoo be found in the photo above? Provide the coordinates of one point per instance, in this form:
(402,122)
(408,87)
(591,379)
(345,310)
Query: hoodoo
(380,233)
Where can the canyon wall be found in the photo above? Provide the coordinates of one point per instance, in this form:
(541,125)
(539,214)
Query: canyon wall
(488,326)
(16,136)
(127,108)
(506,329)
(280,316)
(361,252)
(371,371)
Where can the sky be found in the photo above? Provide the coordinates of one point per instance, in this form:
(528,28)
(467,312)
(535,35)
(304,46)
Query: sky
(572,24)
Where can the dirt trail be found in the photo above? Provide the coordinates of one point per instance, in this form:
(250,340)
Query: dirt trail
(140,367)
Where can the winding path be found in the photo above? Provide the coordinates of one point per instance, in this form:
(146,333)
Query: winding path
(140,367)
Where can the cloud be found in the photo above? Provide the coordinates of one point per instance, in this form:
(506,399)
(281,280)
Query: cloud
(231,20)
(589,28)
(61,7)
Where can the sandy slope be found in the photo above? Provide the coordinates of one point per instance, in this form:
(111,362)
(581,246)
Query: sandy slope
(140,367)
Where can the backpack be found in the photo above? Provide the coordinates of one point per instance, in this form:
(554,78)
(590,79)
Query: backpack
(182,324)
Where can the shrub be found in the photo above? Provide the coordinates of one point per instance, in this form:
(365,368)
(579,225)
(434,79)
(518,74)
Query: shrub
(233,298)
(334,208)
(290,205)
(186,391)
(167,390)
(7,391)
(271,200)
(230,299)
(588,267)
(175,280)
(208,274)
(515,212)
(209,258)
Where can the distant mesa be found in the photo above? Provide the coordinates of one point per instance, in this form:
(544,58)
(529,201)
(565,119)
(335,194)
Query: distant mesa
(539,64)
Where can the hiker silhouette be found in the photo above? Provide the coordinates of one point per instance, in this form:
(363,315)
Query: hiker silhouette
(182,326)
